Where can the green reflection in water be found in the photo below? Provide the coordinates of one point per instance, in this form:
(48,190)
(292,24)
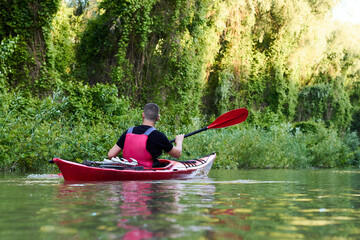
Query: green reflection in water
(230,204)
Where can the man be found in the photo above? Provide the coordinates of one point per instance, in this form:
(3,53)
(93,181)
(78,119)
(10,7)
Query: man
(144,143)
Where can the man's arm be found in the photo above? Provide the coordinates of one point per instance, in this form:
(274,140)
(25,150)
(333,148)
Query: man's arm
(114,151)
(176,151)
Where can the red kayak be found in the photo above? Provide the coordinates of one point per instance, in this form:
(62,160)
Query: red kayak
(96,171)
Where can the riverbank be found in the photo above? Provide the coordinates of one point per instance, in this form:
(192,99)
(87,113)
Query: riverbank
(83,124)
(279,146)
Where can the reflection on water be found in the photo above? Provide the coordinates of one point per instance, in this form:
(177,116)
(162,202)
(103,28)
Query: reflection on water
(253,204)
(136,209)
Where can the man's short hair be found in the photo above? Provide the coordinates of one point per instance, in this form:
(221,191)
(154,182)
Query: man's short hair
(151,111)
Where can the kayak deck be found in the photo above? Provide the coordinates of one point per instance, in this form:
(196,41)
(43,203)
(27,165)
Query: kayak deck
(93,171)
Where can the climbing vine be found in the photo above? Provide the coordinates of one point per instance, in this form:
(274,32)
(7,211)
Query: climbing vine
(29,21)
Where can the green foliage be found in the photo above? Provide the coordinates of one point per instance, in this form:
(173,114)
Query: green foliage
(355,126)
(15,62)
(7,48)
(64,125)
(326,149)
(95,63)
(156,50)
(65,29)
(77,122)
(352,149)
(92,104)
(306,127)
(271,50)
(328,102)
(279,146)
(30,22)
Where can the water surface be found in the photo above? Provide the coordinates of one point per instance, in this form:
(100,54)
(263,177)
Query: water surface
(229,204)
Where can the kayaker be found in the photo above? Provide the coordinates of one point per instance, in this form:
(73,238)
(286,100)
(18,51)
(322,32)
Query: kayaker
(144,143)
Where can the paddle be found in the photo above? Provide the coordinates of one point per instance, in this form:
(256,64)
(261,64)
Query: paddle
(226,120)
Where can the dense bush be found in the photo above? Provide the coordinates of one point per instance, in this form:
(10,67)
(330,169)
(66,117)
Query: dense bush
(80,122)
(280,146)
(76,122)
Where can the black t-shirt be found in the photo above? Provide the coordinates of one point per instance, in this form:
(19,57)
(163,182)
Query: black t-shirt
(156,143)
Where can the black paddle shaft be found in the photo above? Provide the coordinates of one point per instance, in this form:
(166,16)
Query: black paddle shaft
(192,133)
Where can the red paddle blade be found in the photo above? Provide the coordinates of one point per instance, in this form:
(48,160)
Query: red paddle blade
(230,118)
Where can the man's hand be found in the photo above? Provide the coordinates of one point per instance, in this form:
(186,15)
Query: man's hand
(115,150)
(179,139)
(176,151)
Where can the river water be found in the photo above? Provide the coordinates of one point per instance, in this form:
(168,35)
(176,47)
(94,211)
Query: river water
(228,204)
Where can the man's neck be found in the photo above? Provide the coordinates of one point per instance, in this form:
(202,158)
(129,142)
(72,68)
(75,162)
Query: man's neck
(148,123)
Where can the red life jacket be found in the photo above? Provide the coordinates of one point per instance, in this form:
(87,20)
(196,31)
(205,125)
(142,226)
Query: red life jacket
(135,147)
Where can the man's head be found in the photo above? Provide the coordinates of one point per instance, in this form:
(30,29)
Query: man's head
(151,112)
